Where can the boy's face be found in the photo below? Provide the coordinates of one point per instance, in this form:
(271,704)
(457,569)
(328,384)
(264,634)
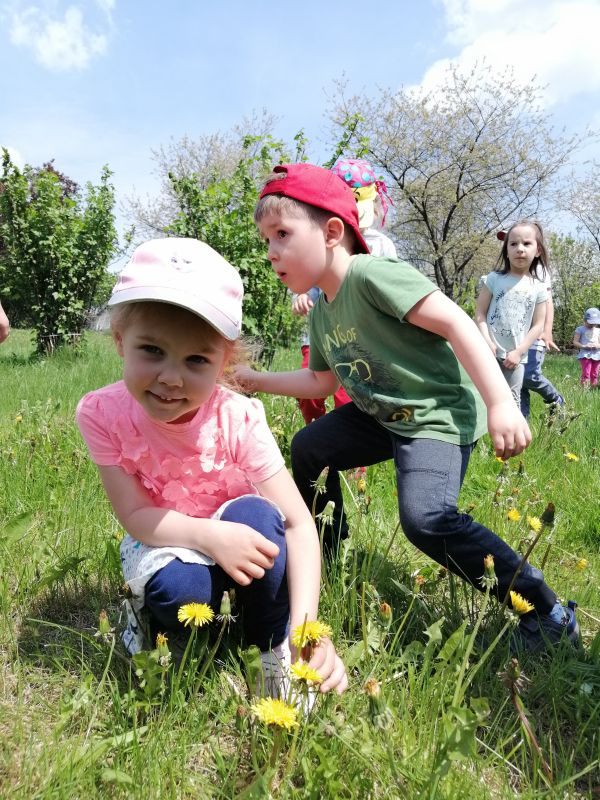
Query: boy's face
(297,250)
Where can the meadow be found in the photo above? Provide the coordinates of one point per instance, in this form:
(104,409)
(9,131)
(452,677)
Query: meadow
(435,709)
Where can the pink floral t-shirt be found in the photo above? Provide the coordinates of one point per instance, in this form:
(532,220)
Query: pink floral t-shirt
(193,467)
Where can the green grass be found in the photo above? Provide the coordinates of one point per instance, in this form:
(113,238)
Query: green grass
(76,722)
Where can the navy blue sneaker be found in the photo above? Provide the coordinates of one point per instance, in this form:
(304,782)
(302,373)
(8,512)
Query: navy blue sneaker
(539,632)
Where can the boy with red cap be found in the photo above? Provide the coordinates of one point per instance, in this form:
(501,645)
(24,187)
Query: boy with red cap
(416,369)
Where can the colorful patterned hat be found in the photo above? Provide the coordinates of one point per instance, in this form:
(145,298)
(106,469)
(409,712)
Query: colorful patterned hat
(360,177)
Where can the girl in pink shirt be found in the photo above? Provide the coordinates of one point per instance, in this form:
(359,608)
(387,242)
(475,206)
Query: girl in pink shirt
(191,468)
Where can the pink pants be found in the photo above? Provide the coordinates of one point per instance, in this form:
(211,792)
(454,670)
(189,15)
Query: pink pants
(313,409)
(589,371)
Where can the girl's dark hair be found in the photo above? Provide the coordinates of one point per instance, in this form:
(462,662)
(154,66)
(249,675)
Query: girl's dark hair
(539,265)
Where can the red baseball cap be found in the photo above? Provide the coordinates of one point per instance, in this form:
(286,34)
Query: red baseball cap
(318,187)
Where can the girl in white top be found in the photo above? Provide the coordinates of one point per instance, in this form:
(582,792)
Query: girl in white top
(511,306)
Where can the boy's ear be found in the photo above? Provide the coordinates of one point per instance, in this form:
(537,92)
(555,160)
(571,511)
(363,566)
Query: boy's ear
(118,340)
(334,231)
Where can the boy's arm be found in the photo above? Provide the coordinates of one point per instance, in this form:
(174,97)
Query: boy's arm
(301,383)
(241,551)
(304,572)
(483,303)
(507,426)
(513,358)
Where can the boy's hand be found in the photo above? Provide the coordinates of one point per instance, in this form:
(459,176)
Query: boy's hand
(301,305)
(330,667)
(245,377)
(243,553)
(508,428)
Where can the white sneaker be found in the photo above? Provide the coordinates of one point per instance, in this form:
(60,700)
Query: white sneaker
(275,679)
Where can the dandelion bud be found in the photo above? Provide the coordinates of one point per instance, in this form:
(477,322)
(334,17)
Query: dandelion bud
(103,623)
(379,712)
(164,654)
(327,514)
(548,515)
(241,714)
(385,614)
(361,485)
(419,581)
(521,469)
(225,609)
(319,484)
(488,579)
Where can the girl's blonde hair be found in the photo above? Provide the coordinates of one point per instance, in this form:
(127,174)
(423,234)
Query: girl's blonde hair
(237,352)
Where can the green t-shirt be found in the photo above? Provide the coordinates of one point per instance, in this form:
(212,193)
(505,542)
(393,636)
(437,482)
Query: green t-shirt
(406,377)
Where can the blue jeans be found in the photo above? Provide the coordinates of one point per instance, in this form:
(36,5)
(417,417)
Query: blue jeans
(429,474)
(534,380)
(264,602)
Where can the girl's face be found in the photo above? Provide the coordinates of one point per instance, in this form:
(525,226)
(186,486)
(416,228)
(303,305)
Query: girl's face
(170,366)
(522,247)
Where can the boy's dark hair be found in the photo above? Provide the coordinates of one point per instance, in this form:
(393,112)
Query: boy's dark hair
(539,265)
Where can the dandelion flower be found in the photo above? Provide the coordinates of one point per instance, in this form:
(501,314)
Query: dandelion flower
(276,712)
(535,523)
(361,485)
(18,419)
(310,633)
(305,674)
(513,515)
(500,459)
(581,564)
(571,457)
(519,604)
(196,614)
(161,640)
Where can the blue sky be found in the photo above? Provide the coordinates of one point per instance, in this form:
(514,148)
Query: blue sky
(105,81)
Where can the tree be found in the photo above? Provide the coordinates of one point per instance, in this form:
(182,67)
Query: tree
(202,160)
(219,210)
(462,160)
(575,283)
(54,247)
(582,200)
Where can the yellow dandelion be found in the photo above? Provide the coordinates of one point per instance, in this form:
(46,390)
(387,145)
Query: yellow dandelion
(513,515)
(500,459)
(310,633)
(361,485)
(305,674)
(581,564)
(519,604)
(18,418)
(196,614)
(161,640)
(571,457)
(535,523)
(276,712)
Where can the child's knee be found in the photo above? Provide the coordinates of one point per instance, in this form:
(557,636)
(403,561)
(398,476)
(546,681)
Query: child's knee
(257,513)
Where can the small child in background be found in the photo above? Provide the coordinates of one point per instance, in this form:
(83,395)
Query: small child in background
(511,307)
(587,339)
(534,379)
(190,467)
(372,203)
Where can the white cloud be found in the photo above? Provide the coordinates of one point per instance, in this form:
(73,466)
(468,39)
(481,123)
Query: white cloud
(555,41)
(57,44)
